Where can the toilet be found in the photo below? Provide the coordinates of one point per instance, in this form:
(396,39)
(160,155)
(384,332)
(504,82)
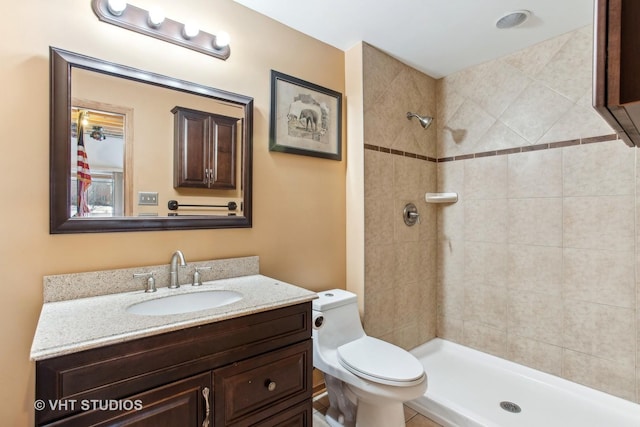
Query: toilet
(367,379)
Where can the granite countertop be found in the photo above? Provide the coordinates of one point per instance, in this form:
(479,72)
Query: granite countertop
(80,324)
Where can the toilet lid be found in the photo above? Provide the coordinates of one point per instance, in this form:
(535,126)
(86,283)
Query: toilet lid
(380,361)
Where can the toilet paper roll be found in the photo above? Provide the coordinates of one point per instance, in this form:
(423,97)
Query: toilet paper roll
(318,320)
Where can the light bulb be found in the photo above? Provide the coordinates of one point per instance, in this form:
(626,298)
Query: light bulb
(156,17)
(222,39)
(190,30)
(116,7)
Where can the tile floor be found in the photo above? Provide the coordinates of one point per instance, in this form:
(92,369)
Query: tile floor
(412,418)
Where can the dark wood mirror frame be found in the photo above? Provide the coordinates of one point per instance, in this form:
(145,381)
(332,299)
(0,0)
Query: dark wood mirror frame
(62,62)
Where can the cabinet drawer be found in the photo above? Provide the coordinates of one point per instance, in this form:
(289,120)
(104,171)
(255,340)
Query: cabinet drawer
(262,386)
(298,416)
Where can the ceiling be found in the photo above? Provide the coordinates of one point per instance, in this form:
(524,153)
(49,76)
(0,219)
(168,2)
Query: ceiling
(438,37)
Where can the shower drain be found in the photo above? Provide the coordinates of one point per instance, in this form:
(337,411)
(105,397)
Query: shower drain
(510,407)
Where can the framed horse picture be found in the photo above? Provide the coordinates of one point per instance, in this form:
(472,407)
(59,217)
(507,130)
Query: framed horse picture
(306,118)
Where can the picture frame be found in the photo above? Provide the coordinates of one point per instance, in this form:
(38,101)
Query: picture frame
(306,118)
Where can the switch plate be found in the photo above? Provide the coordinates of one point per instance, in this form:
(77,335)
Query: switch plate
(148,198)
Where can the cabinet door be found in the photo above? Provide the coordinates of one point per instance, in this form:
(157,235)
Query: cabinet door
(192,142)
(224,152)
(204,149)
(184,403)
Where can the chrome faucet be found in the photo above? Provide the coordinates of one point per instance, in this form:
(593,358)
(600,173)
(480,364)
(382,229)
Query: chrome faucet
(173,272)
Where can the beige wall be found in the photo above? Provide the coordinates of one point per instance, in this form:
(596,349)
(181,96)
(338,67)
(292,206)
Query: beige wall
(299,202)
(400,264)
(537,261)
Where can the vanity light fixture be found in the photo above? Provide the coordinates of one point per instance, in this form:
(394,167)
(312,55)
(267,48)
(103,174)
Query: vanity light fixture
(153,23)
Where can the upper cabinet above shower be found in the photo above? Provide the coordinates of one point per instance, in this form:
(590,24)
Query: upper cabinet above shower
(616,91)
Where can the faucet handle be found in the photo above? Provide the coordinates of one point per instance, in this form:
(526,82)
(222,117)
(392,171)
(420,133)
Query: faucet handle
(197,277)
(151,281)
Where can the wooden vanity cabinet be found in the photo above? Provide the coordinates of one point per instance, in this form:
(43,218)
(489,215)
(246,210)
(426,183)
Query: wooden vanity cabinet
(616,91)
(204,149)
(253,370)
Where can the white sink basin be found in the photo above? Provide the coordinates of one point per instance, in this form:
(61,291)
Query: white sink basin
(184,303)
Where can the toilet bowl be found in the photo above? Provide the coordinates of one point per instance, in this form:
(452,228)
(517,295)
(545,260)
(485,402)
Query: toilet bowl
(367,379)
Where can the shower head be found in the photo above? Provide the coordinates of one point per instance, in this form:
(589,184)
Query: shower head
(425,121)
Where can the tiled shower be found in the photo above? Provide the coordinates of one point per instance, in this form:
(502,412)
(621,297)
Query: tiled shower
(536,261)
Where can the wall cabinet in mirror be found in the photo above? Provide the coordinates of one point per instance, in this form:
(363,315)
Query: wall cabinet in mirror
(204,149)
(222,149)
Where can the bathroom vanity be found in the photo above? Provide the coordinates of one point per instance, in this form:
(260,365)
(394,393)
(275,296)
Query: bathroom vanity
(248,363)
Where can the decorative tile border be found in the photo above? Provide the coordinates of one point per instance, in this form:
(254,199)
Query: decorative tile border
(398,152)
(559,144)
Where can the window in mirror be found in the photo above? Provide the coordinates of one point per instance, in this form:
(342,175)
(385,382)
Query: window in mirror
(98,141)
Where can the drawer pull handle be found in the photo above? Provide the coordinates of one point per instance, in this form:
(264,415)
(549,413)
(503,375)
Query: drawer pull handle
(270,385)
(205,394)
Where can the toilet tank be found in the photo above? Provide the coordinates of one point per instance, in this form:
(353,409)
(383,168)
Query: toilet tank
(333,298)
(340,318)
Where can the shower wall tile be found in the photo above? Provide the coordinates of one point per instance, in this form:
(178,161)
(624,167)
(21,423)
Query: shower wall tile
(474,121)
(400,261)
(485,178)
(600,330)
(486,305)
(451,328)
(536,316)
(537,101)
(450,299)
(603,222)
(486,220)
(581,121)
(603,169)
(601,374)
(485,338)
(376,81)
(378,219)
(451,261)
(537,260)
(535,268)
(406,303)
(541,94)
(380,268)
(535,221)
(524,178)
(378,174)
(495,85)
(531,61)
(535,354)
(549,239)
(407,337)
(569,70)
(379,311)
(450,178)
(499,137)
(407,262)
(486,263)
(600,276)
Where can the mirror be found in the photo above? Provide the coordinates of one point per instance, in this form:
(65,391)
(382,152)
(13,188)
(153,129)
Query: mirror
(125,121)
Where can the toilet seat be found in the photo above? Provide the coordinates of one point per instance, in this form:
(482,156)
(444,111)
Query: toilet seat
(381,362)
